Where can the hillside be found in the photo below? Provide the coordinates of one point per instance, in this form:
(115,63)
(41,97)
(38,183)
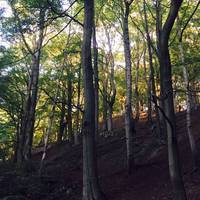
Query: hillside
(62,178)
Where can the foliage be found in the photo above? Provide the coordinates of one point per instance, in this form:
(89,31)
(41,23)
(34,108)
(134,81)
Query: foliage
(62,49)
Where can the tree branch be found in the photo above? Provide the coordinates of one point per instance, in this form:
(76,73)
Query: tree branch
(65,14)
(187,22)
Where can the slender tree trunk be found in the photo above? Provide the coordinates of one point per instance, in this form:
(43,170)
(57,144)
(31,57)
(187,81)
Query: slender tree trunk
(129,123)
(49,128)
(105,106)
(46,137)
(50,122)
(16,146)
(78,129)
(28,120)
(111,97)
(91,187)
(151,70)
(158,40)
(149,112)
(149,91)
(137,101)
(188,111)
(151,84)
(30,108)
(110,118)
(62,125)
(167,92)
(96,80)
(193,97)
(20,157)
(69,109)
(175,94)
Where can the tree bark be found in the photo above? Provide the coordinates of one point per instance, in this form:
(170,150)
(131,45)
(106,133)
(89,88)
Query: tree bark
(96,80)
(104,97)
(77,134)
(91,187)
(136,93)
(105,106)
(62,125)
(158,41)
(167,92)
(112,94)
(69,107)
(16,145)
(110,118)
(193,146)
(151,82)
(28,120)
(129,123)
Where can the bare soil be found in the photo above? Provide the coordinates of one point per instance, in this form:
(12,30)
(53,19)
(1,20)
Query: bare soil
(62,176)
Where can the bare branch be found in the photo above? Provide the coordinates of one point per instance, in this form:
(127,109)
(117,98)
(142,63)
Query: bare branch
(187,22)
(65,14)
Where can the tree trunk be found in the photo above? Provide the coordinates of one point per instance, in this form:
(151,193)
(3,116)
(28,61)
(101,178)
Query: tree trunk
(105,106)
(173,154)
(28,119)
(129,123)
(151,82)
(110,98)
(149,111)
(96,80)
(188,111)
(167,92)
(16,145)
(62,125)
(158,41)
(77,134)
(69,108)
(46,137)
(137,101)
(50,121)
(91,187)
(110,118)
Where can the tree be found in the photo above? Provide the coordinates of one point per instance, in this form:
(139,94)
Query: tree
(62,125)
(28,120)
(91,188)
(105,102)
(167,95)
(96,79)
(136,92)
(151,81)
(188,92)
(12,85)
(78,117)
(69,103)
(129,123)
(110,96)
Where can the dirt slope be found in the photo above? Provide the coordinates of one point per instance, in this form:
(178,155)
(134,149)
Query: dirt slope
(150,180)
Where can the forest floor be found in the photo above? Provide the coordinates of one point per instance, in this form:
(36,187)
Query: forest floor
(62,178)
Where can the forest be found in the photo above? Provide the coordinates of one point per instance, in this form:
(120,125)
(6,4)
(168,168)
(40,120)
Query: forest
(99,100)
